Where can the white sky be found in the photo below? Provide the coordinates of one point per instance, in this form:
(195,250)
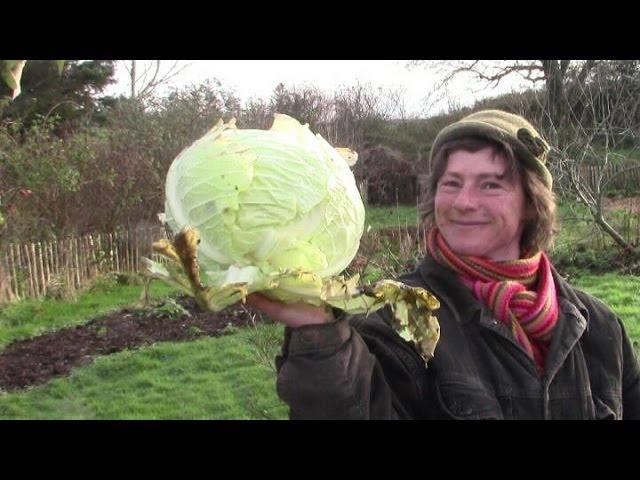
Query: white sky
(258,78)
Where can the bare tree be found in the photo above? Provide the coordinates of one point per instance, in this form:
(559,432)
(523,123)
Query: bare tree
(558,79)
(587,109)
(351,107)
(255,114)
(146,76)
(306,104)
(603,116)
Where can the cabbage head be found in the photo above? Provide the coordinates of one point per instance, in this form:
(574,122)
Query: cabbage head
(265,201)
(275,211)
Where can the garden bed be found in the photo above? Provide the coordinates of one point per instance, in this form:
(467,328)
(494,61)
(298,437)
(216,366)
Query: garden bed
(36,360)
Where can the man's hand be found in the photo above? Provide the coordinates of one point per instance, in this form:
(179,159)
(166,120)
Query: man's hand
(293,315)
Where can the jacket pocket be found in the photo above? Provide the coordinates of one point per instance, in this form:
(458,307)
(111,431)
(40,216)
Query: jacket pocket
(460,400)
(607,406)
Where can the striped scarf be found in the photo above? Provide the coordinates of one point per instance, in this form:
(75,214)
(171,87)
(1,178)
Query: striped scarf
(508,289)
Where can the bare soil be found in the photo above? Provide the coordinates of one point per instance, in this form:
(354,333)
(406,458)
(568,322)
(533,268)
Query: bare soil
(37,360)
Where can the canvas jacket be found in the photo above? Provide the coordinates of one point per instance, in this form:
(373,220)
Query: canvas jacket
(359,368)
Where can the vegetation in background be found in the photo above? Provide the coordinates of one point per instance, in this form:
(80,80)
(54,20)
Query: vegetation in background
(69,90)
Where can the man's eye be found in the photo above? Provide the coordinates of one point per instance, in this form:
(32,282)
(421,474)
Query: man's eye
(490,186)
(449,183)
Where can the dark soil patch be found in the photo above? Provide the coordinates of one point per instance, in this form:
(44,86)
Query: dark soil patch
(37,360)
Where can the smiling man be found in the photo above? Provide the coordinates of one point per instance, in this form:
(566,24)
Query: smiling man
(517,341)
(480,210)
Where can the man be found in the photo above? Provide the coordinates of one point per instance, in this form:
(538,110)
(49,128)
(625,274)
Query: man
(517,341)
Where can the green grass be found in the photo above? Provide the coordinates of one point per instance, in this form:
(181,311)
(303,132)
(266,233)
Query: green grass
(574,226)
(211,378)
(33,317)
(390,216)
(577,226)
(620,292)
(215,378)
(229,377)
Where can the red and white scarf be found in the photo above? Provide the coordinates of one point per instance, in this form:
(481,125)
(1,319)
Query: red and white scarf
(521,293)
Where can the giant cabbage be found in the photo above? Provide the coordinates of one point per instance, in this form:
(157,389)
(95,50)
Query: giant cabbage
(275,211)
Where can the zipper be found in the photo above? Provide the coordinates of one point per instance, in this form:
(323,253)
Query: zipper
(546,412)
(495,326)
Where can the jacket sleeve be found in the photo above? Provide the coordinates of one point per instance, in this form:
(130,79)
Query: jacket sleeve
(355,368)
(630,379)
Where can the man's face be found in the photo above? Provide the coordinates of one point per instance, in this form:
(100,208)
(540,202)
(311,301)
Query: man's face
(478,210)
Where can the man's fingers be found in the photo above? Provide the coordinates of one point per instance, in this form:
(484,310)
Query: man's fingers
(291,314)
(267,305)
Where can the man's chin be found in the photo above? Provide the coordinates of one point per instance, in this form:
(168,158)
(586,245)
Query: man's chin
(468,252)
(465,250)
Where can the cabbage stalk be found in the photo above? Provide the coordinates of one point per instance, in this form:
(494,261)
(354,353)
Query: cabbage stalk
(278,212)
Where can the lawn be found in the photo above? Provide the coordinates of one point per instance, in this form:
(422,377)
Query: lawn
(620,292)
(228,377)
(210,378)
(390,216)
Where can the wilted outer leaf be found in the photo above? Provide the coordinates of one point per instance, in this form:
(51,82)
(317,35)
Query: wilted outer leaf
(412,306)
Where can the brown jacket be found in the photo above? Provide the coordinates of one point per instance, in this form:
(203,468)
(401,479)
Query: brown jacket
(359,368)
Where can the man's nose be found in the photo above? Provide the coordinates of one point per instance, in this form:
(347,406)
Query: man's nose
(466,199)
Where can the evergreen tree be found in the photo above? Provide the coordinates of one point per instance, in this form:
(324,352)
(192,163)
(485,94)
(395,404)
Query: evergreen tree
(70,96)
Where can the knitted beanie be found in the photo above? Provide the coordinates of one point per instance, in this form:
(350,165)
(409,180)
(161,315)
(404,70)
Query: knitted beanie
(503,127)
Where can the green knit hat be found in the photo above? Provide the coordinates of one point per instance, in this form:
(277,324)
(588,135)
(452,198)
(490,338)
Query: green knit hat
(528,146)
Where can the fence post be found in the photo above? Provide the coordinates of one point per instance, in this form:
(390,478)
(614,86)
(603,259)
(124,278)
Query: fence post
(30,269)
(68,262)
(14,276)
(43,282)
(19,255)
(74,244)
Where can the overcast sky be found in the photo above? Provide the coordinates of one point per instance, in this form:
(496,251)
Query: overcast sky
(258,78)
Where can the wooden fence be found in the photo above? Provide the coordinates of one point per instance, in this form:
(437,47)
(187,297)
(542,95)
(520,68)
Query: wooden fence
(30,270)
(620,177)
